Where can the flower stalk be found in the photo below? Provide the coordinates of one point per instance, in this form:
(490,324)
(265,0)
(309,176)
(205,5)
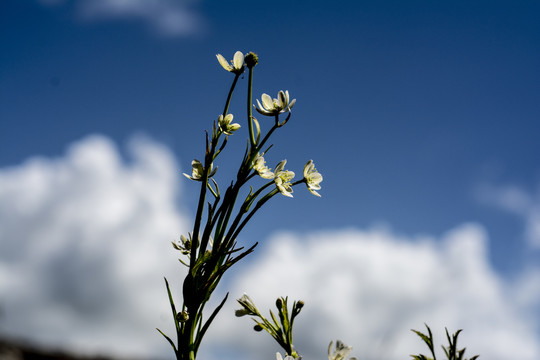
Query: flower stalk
(280,330)
(211,248)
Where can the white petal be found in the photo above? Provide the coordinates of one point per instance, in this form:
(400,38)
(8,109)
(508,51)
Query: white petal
(267,102)
(223,62)
(282,100)
(315,178)
(291,104)
(267,174)
(314,192)
(289,175)
(238,60)
(261,110)
(280,166)
(308,167)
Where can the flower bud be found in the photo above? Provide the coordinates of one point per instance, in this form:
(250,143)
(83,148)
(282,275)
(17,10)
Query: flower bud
(258,328)
(251,60)
(279,303)
(242,312)
(182,316)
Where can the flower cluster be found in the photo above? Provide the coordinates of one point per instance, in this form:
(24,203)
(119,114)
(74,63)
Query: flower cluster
(211,247)
(282,178)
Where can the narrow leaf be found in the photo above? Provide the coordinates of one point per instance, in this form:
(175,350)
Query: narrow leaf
(168,339)
(173,308)
(208,322)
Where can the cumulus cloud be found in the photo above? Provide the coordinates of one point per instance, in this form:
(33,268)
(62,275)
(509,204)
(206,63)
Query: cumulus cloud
(369,288)
(167,17)
(84,245)
(85,242)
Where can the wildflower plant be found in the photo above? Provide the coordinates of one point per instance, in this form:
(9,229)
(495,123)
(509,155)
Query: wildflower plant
(211,248)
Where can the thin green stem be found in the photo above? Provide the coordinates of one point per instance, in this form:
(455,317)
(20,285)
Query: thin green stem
(249,108)
(266,137)
(243,210)
(259,204)
(229,96)
(186,349)
(209,158)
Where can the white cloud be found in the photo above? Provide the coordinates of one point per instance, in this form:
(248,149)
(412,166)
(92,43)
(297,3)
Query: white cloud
(369,288)
(85,242)
(84,245)
(519,202)
(167,17)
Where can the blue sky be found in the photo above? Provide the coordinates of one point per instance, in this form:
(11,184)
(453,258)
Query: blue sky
(422,116)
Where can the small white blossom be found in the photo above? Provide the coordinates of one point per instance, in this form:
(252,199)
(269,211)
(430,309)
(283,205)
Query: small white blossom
(185,246)
(288,357)
(272,107)
(341,353)
(282,179)
(198,170)
(237,63)
(248,306)
(225,124)
(312,178)
(259,164)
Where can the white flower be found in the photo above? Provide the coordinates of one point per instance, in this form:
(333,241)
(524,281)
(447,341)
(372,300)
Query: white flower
(237,63)
(283,178)
(198,170)
(225,124)
(272,107)
(248,306)
(288,357)
(259,164)
(312,178)
(342,351)
(185,246)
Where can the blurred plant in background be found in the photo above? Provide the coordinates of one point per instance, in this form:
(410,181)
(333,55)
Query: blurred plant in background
(451,351)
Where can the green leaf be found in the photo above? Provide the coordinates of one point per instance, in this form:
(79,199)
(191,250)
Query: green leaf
(173,307)
(420,357)
(208,322)
(168,339)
